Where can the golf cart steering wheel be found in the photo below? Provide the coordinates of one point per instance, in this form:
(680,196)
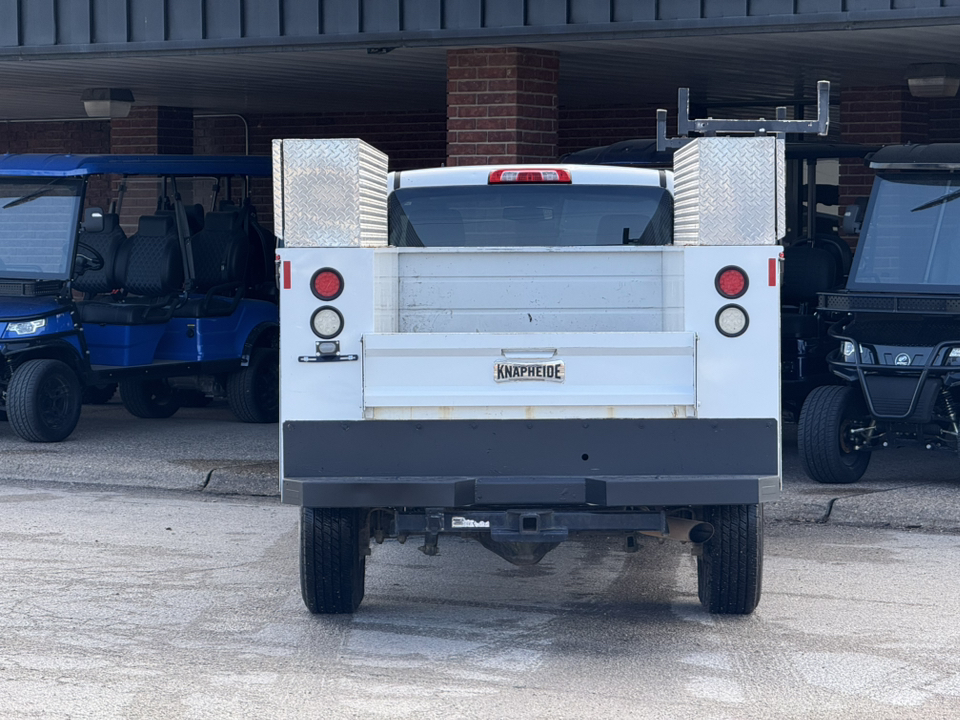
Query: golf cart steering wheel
(91,256)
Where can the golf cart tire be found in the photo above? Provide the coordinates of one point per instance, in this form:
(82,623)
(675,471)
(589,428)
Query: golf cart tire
(150,399)
(99,394)
(43,401)
(819,436)
(730,567)
(332,561)
(190,398)
(253,392)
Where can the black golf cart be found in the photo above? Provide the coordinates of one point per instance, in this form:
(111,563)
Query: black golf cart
(899,322)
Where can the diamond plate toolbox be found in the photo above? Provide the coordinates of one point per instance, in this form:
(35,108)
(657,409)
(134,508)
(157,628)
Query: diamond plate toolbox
(329,193)
(730,191)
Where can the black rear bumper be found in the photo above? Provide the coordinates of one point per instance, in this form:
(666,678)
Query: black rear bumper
(553,463)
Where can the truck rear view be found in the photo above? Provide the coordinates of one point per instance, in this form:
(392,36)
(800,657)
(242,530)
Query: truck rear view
(527,354)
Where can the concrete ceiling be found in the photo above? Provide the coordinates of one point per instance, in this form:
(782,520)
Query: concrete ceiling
(719,69)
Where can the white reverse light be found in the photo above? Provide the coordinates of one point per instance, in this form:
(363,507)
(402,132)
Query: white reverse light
(28,327)
(848,348)
(732,320)
(327,322)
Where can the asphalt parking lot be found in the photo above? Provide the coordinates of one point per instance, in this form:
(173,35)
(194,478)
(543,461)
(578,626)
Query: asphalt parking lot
(208,450)
(149,572)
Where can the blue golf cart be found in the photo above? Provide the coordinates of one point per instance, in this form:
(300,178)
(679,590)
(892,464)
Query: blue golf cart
(169,293)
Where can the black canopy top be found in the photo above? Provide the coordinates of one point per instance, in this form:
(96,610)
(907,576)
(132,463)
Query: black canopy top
(939,156)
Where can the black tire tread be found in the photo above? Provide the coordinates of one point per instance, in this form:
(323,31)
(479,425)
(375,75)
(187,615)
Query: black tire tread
(138,400)
(332,568)
(22,411)
(99,394)
(818,436)
(730,570)
(242,388)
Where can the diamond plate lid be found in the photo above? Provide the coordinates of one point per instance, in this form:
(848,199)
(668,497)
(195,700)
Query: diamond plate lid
(730,191)
(329,193)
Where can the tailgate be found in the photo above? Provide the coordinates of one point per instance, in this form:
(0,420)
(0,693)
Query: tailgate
(528,375)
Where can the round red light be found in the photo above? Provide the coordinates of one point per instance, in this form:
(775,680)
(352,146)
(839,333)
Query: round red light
(731,282)
(327,284)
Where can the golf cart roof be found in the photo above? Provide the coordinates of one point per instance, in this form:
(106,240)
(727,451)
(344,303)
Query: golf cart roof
(939,156)
(38,165)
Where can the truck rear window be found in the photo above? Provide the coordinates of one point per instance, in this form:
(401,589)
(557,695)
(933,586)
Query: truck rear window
(530,216)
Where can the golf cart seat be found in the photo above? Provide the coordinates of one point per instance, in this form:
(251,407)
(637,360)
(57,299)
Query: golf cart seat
(150,267)
(220,253)
(105,243)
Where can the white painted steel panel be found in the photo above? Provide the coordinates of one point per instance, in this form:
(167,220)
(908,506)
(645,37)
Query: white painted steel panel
(730,191)
(330,193)
(579,174)
(470,290)
(606,374)
(737,377)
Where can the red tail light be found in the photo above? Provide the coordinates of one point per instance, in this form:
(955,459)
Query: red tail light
(327,284)
(531,175)
(731,282)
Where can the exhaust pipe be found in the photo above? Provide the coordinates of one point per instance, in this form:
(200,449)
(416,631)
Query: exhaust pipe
(684,530)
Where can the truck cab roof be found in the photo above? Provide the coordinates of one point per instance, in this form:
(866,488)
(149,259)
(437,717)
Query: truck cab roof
(579,175)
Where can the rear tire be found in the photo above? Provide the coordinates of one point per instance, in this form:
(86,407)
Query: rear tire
(99,394)
(825,452)
(43,401)
(730,569)
(332,563)
(149,398)
(254,391)
(194,399)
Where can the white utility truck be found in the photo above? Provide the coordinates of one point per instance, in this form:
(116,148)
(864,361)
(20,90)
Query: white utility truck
(527,353)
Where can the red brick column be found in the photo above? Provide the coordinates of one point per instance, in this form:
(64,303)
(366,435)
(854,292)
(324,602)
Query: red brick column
(501,106)
(148,131)
(153,131)
(877,116)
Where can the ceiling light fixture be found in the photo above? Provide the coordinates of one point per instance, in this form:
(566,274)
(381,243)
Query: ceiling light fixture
(107,102)
(933,80)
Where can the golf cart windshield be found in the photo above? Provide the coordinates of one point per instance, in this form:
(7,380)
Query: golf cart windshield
(38,225)
(911,237)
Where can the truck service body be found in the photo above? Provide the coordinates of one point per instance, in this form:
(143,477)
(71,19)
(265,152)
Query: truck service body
(526,353)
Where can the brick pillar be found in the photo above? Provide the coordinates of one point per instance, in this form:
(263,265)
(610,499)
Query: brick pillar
(153,131)
(501,106)
(149,131)
(877,116)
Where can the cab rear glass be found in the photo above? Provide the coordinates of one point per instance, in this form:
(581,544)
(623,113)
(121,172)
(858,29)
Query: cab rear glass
(535,215)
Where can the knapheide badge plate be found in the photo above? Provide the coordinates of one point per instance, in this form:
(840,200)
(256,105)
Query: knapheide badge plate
(551,371)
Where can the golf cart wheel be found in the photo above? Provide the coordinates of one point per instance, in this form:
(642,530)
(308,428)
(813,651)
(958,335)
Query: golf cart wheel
(826,451)
(730,568)
(99,394)
(194,398)
(149,398)
(332,560)
(253,392)
(43,401)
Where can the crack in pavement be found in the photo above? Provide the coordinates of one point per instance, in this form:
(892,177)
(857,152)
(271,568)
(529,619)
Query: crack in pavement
(826,515)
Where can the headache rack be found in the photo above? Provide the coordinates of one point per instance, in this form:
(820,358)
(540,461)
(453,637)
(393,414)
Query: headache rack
(30,288)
